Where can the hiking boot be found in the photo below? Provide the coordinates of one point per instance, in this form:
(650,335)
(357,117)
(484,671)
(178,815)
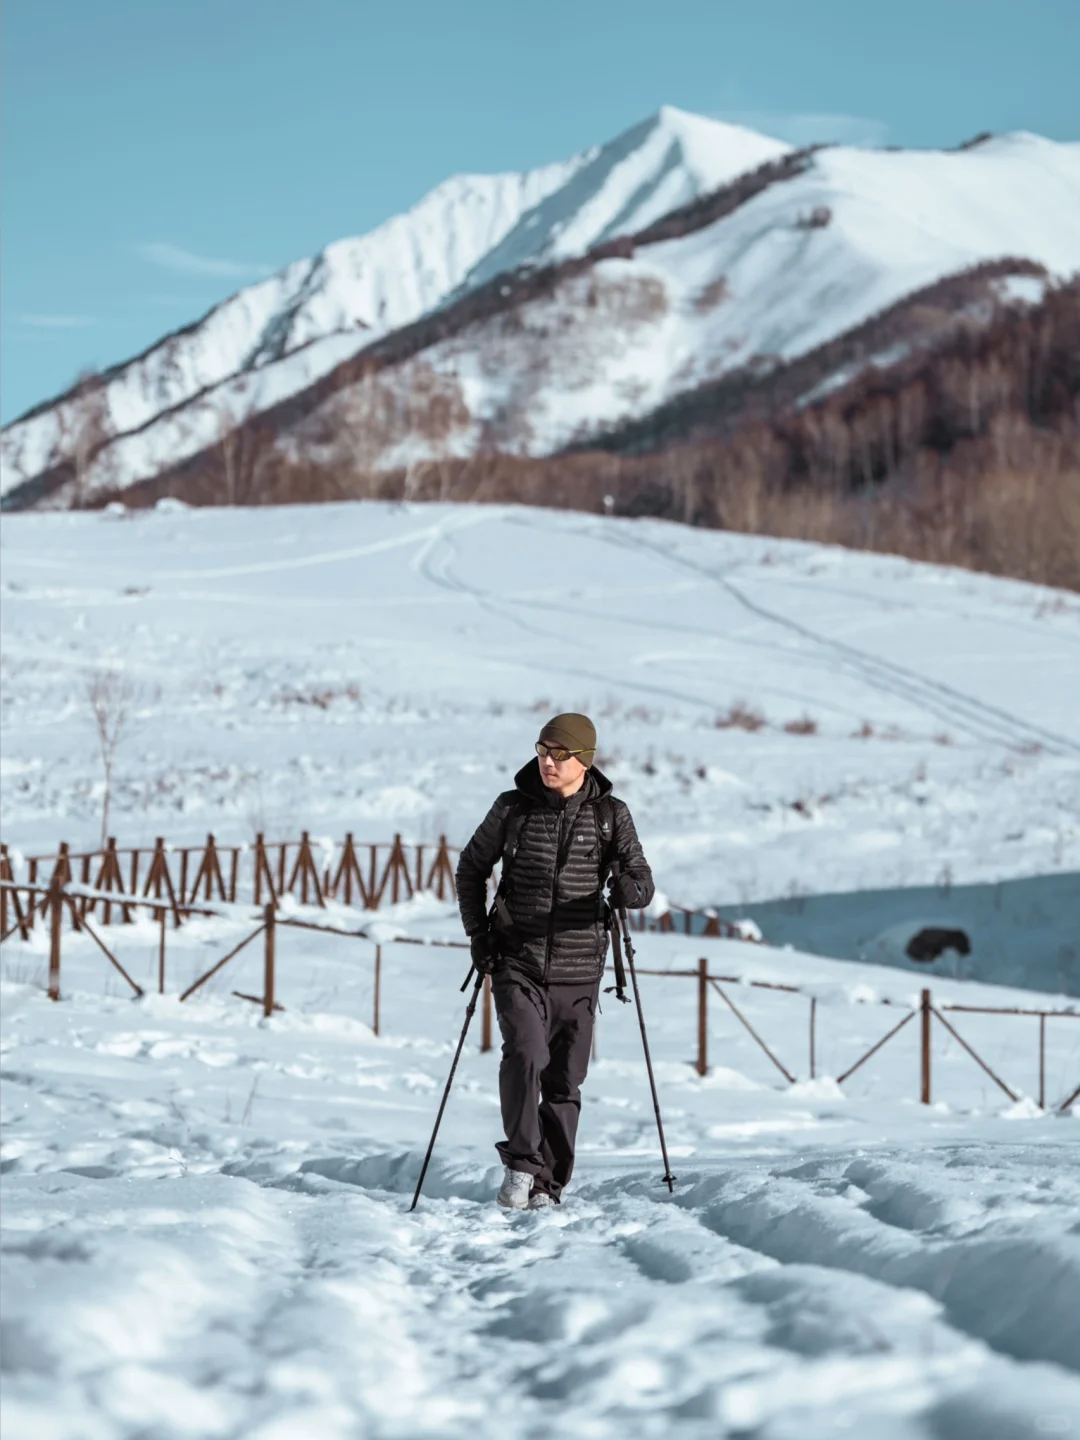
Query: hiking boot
(514,1190)
(541,1200)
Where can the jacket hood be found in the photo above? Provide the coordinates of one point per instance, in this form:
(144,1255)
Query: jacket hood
(528,781)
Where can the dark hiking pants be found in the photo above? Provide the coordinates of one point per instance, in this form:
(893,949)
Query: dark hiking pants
(547,1040)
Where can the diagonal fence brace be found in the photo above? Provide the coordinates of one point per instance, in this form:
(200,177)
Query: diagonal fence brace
(104,948)
(974,1054)
(223,961)
(875,1048)
(743,1020)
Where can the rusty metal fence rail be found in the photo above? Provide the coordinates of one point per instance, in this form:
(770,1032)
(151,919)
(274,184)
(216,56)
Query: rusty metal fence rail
(57,899)
(926,1011)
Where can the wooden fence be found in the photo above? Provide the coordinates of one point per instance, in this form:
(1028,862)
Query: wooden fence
(364,875)
(58,898)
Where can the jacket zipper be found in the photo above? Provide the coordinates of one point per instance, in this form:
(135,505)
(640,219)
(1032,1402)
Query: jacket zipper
(554,896)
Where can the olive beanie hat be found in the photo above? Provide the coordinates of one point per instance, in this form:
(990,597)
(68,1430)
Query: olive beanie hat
(574,732)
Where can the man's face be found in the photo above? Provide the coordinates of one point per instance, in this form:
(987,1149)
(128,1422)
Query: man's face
(563,776)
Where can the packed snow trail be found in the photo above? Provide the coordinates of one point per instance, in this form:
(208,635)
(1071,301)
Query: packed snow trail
(205,1228)
(308,1302)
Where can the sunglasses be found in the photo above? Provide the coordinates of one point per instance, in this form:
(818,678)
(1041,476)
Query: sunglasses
(558,753)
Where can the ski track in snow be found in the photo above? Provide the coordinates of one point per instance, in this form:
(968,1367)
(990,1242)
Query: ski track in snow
(438,634)
(978,719)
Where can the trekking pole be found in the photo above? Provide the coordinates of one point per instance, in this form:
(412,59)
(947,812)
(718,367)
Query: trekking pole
(469,1012)
(669,1179)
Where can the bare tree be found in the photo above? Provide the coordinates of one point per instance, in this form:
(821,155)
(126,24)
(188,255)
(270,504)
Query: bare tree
(111,696)
(84,430)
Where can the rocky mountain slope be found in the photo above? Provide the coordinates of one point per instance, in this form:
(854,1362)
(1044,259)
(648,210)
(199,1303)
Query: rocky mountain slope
(529,314)
(272,340)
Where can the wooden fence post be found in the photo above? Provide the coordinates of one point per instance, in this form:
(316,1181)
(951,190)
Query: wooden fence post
(306,872)
(703,1018)
(56,924)
(813,1020)
(485,1016)
(926,1013)
(441,875)
(31,907)
(377,990)
(161,952)
(268,962)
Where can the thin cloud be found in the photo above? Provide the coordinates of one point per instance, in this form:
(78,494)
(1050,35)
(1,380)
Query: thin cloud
(186,262)
(58,322)
(812,127)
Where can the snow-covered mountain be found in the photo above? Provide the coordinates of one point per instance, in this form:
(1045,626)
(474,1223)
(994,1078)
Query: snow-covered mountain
(530,312)
(272,339)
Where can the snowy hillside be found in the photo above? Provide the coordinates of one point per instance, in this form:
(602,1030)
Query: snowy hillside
(204,1219)
(205,1227)
(783,718)
(330,352)
(273,339)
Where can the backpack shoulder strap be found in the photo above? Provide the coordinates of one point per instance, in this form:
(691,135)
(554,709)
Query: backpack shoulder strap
(515,818)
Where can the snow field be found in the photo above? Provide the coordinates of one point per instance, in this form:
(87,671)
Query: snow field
(205,1222)
(379,668)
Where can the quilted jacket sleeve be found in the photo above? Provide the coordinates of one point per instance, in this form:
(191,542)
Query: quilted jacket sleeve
(631,857)
(477,861)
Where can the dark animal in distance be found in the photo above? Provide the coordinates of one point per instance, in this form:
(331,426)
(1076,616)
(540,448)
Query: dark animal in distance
(928,944)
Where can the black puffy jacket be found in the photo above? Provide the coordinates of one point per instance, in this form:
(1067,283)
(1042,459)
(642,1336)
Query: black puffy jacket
(552,884)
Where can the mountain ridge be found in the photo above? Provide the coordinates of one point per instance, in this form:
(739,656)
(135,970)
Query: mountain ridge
(593,328)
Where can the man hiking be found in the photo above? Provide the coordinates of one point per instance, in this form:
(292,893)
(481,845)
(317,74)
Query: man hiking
(544,943)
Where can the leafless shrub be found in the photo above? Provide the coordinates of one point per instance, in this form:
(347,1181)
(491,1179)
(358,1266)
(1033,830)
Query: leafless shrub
(711,296)
(740,716)
(816,219)
(321,698)
(804,725)
(111,696)
(864,732)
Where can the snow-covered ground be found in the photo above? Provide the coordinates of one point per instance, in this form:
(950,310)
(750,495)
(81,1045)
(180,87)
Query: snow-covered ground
(206,1232)
(378,668)
(205,1227)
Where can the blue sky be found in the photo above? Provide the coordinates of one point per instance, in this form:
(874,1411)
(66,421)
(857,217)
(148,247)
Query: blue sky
(160,154)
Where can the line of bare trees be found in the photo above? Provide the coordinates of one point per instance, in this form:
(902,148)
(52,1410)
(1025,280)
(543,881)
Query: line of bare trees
(967,452)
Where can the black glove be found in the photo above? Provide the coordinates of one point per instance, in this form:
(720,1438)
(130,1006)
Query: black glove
(482,949)
(625,892)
